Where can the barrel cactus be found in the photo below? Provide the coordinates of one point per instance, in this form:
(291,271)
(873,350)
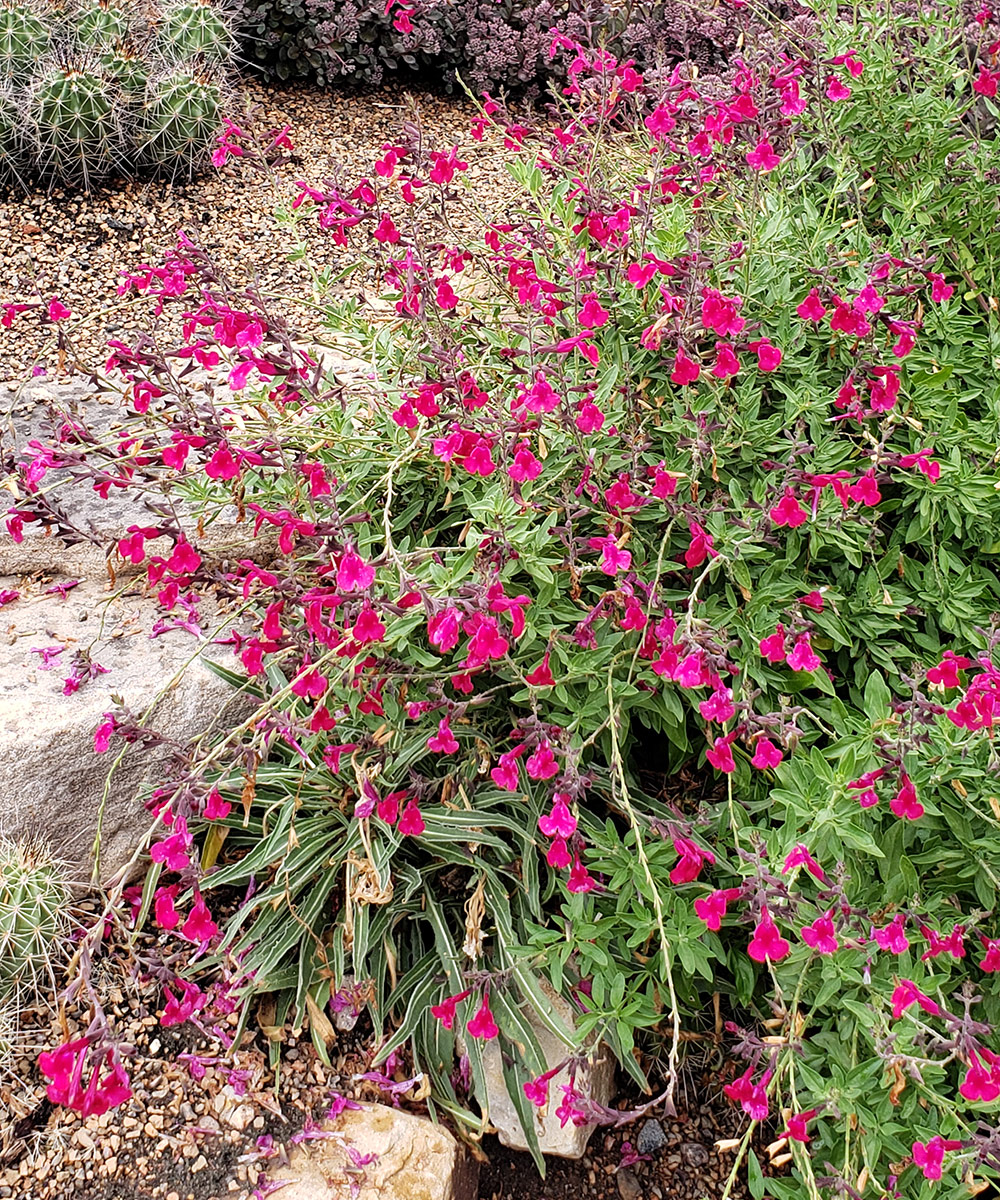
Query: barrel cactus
(181,114)
(25,37)
(75,122)
(101,24)
(33,901)
(91,88)
(196,27)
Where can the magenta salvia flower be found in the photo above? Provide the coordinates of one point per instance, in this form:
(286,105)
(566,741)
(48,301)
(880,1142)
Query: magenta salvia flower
(892,938)
(799,856)
(446,1010)
(767,944)
(444,741)
(802,656)
(788,511)
(907,993)
(820,935)
(692,858)
(905,802)
(752,1097)
(560,822)
(980,1085)
(353,573)
(482,1024)
(766,755)
(65,1066)
(712,908)
(929,1156)
(580,879)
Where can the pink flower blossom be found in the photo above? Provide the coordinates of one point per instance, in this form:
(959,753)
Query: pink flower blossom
(57,310)
(836,89)
(411,823)
(692,858)
(199,926)
(720,755)
(712,908)
(905,802)
(767,944)
(766,755)
(799,856)
(542,764)
(482,1024)
(592,315)
(979,1084)
(803,657)
(752,1097)
(762,157)
(613,558)
(541,676)
(444,741)
(907,993)
(353,573)
(773,647)
(788,511)
(686,370)
(580,879)
(445,1011)
(929,1156)
(811,308)
(560,822)
(891,938)
(820,935)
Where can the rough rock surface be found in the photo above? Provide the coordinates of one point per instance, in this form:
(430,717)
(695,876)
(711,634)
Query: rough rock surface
(597,1083)
(51,781)
(383,1152)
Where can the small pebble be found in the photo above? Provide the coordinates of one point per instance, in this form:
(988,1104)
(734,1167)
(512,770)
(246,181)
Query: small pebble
(629,1187)
(651,1137)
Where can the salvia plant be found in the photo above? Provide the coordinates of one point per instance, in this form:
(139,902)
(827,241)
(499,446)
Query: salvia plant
(33,906)
(101,88)
(689,462)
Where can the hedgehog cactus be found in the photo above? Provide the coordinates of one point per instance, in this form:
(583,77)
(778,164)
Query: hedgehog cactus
(76,123)
(180,118)
(33,899)
(87,88)
(194,28)
(24,38)
(101,24)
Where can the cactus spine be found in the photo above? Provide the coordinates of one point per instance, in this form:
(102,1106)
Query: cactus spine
(33,899)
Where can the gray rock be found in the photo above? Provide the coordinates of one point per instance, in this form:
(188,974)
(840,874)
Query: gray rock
(51,781)
(651,1137)
(596,1083)
(379,1153)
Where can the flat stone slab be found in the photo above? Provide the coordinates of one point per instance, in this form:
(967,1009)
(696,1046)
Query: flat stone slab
(378,1153)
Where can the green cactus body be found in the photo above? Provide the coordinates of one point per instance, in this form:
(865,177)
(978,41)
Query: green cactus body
(24,38)
(76,125)
(195,27)
(129,69)
(180,118)
(101,25)
(33,899)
